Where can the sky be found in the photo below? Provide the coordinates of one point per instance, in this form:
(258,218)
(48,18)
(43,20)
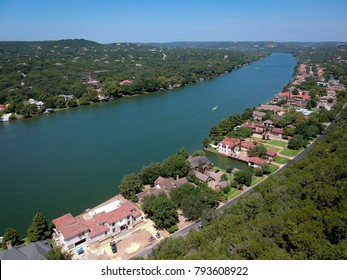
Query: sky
(109,21)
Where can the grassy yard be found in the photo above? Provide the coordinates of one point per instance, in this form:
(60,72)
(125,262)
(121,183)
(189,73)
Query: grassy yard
(273,168)
(289,152)
(281,160)
(277,143)
(256,180)
(232,193)
(272,148)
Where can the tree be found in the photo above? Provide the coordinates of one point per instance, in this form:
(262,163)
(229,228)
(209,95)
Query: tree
(215,133)
(206,142)
(39,229)
(57,254)
(257,151)
(297,142)
(130,185)
(247,114)
(175,165)
(199,153)
(150,173)
(209,215)
(244,177)
(161,210)
(10,235)
(183,153)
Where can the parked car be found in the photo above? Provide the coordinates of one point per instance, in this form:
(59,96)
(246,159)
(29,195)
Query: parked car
(158,235)
(113,247)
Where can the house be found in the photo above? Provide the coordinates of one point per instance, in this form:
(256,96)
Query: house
(268,123)
(162,185)
(257,127)
(268,107)
(95,225)
(229,146)
(279,132)
(202,177)
(125,82)
(271,153)
(256,162)
(200,162)
(258,116)
(247,145)
(5,117)
(32,251)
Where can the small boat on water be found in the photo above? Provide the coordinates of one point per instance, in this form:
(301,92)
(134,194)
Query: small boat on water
(215,108)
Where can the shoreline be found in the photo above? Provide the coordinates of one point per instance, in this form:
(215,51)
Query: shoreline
(17,117)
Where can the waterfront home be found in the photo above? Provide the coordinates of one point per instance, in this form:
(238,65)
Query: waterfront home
(200,162)
(247,145)
(268,107)
(125,82)
(162,185)
(32,251)
(258,116)
(229,146)
(5,117)
(256,162)
(95,225)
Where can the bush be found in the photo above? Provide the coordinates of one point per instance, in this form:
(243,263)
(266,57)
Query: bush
(172,229)
(258,172)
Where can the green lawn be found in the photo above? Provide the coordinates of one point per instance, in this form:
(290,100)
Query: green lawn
(289,152)
(272,148)
(256,180)
(232,193)
(281,160)
(278,143)
(273,168)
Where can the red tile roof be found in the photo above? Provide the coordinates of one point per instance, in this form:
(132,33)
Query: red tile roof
(290,95)
(277,130)
(257,160)
(69,226)
(271,153)
(247,145)
(231,142)
(125,82)
(120,213)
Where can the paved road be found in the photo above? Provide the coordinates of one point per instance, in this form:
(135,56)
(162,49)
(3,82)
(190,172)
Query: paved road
(185,231)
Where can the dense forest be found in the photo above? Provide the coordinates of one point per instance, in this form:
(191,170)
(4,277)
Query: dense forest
(300,213)
(84,70)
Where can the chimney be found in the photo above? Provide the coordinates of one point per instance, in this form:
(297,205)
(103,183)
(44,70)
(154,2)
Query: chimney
(9,244)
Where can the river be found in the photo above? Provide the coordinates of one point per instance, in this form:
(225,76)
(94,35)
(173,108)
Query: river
(74,159)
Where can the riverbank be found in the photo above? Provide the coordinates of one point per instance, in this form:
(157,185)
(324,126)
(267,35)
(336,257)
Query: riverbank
(74,159)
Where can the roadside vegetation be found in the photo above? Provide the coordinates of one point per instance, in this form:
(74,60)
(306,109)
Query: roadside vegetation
(299,213)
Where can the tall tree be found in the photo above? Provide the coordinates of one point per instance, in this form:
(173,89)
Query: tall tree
(39,228)
(130,185)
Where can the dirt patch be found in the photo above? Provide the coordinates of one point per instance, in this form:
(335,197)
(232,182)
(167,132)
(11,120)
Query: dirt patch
(133,247)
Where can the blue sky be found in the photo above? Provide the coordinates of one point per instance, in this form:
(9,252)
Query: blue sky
(108,21)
